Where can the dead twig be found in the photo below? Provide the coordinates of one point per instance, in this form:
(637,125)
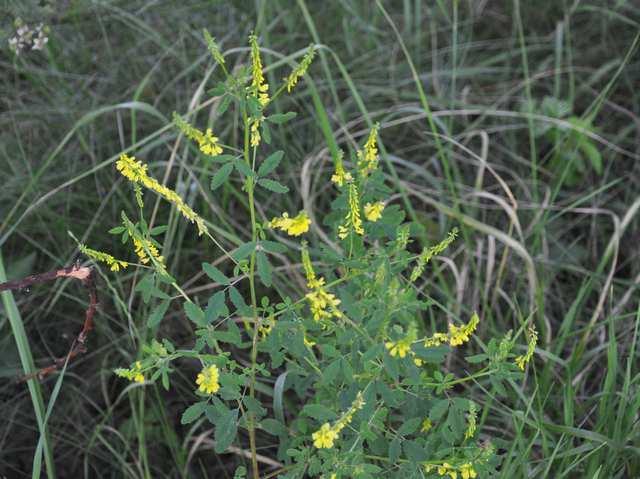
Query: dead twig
(78,347)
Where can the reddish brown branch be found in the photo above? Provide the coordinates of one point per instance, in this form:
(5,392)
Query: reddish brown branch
(78,346)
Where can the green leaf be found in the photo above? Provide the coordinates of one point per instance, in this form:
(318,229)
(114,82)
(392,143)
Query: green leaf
(226,430)
(410,426)
(194,313)
(158,313)
(224,104)
(273,427)
(264,269)
(272,185)
(216,307)
(438,410)
(244,250)
(319,412)
(273,247)
(266,132)
(117,230)
(280,118)
(271,163)
(193,412)
(215,274)
(243,168)
(221,176)
(238,301)
(394,450)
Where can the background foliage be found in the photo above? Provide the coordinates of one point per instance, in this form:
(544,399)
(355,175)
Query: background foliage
(536,106)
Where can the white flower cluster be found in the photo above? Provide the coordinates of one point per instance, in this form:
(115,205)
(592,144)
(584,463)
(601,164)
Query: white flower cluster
(28,38)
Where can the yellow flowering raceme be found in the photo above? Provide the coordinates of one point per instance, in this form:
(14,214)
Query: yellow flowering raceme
(522,361)
(428,253)
(456,336)
(259,87)
(300,69)
(368,159)
(295,226)
(134,374)
(373,211)
(113,263)
(325,437)
(465,470)
(323,305)
(141,246)
(207,142)
(207,380)
(352,221)
(399,348)
(136,172)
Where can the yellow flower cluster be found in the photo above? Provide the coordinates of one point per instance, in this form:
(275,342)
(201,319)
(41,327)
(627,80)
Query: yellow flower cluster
(255,131)
(292,226)
(136,172)
(456,336)
(368,160)
(472,421)
(399,348)
(353,221)
(258,86)
(402,347)
(465,470)
(522,361)
(323,304)
(213,47)
(428,253)
(340,176)
(301,69)
(106,258)
(207,142)
(324,438)
(134,374)
(373,211)
(141,246)
(426,425)
(207,380)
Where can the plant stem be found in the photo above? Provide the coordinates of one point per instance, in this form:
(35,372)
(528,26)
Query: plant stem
(254,303)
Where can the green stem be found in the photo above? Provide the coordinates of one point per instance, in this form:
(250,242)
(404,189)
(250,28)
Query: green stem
(254,302)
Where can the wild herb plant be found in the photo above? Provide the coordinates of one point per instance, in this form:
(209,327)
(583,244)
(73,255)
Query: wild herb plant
(362,387)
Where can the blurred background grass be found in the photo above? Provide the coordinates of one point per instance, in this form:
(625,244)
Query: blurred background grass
(536,109)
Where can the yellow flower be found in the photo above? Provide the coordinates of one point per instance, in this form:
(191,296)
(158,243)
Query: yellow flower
(137,373)
(472,419)
(373,211)
(368,160)
(115,264)
(207,143)
(323,305)
(255,132)
(352,220)
(307,342)
(467,471)
(141,246)
(133,374)
(324,437)
(301,69)
(136,172)
(213,47)
(208,380)
(522,361)
(428,253)
(399,348)
(460,334)
(258,86)
(426,425)
(292,226)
